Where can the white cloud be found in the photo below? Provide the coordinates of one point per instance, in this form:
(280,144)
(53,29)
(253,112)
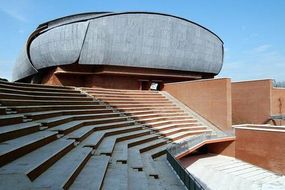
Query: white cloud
(261,48)
(6,68)
(257,63)
(14,14)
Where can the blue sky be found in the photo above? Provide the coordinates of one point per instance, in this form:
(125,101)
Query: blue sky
(252,31)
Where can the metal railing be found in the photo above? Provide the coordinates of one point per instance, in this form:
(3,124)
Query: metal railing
(179,148)
(189,181)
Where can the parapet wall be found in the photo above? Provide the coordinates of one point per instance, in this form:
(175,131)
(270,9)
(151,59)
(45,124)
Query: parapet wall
(261,146)
(256,101)
(210,98)
(278,103)
(251,101)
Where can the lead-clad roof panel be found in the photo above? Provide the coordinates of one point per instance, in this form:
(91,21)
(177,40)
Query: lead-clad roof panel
(58,46)
(23,67)
(152,41)
(136,39)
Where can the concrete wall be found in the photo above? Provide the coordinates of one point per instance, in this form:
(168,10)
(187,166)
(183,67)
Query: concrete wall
(210,98)
(278,103)
(251,102)
(262,148)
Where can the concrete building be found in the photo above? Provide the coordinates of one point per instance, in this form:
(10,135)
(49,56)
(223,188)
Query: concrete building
(129,101)
(106,48)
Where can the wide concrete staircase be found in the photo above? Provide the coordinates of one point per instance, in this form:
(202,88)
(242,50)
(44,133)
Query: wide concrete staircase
(69,138)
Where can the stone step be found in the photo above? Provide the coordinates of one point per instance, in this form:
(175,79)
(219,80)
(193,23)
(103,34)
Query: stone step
(43,93)
(59,107)
(106,123)
(47,114)
(38,161)
(132,135)
(153,111)
(141,140)
(81,133)
(94,140)
(106,147)
(41,88)
(11,119)
(54,121)
(157,114)
(151,145)
(184,134)
(96,115)
(180,129)
(158,151)
(173,121)
(163,118)
(137,180)
(117,173)
(123,130)
(121,106)
(148,108)
(149,167)
(132,98)
(103,95)
(9,132)
(63,119)
(67,127)
(116,177)
(118,128)
(92,175)
(66,170)
(15,102)
(144,101)
(112,92)
(135,160)
(120,153)
(35,97)
(171,126)
(20,84)
(116,90)
(167,173)
(13,149)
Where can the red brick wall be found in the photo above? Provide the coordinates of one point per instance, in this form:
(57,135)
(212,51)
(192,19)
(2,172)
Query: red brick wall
(210,98)
(262,148)
(278,103)
(251,101)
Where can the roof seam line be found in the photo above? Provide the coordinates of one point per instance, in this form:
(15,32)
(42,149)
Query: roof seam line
(83,41)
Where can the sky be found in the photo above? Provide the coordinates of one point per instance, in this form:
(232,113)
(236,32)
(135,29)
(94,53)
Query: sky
(253,31)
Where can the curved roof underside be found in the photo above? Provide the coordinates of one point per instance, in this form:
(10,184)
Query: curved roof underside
(136,39)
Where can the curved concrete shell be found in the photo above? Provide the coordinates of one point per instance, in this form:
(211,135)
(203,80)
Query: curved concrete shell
(134,39)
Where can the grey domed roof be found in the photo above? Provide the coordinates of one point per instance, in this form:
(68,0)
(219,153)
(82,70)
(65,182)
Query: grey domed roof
(136,39)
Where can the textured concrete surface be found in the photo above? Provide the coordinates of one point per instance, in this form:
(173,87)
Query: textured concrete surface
(148,40)
(225,173)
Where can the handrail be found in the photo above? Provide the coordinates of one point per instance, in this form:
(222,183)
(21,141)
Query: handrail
(179,148)
(188,179)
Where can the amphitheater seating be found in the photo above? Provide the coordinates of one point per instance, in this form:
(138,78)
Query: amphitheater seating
(88,138)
